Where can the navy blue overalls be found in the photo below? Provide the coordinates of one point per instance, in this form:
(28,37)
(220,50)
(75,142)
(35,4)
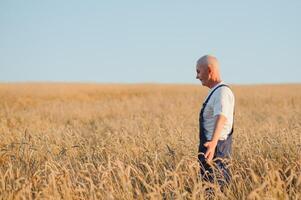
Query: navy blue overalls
(222,152)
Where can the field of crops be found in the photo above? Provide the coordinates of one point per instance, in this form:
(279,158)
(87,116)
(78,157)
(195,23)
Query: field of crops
(90,141)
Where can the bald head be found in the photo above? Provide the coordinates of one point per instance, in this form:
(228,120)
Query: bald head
(208,61)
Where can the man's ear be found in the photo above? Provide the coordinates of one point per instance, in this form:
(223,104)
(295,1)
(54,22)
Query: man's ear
(209,69)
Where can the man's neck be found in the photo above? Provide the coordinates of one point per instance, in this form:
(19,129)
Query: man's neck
(214,83)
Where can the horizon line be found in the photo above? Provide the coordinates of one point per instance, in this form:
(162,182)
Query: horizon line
(140,83)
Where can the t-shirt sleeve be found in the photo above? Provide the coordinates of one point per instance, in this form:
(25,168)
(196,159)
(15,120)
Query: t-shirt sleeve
(224,103)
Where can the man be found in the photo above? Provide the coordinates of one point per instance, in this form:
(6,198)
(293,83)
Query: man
(215,123)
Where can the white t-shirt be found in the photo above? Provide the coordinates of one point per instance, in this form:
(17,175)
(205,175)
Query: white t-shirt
(221,102)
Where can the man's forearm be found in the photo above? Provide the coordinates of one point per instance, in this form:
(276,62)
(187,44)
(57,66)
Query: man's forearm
(220,122)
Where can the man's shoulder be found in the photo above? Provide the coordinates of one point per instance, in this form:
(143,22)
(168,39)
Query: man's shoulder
(224,88)
(224,92)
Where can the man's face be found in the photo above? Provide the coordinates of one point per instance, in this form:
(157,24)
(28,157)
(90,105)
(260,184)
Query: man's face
(202,74)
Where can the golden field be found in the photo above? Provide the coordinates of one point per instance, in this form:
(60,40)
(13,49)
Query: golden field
(93,141)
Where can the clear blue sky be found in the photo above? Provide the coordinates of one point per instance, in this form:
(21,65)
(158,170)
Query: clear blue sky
(149,41)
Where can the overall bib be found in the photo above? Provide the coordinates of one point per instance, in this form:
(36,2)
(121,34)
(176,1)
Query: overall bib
(220,169)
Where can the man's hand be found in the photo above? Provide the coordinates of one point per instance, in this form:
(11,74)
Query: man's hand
(211,145)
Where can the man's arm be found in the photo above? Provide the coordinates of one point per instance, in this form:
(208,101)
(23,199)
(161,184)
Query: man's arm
(211,145)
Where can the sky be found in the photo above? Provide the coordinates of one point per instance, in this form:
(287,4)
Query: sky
(149,41)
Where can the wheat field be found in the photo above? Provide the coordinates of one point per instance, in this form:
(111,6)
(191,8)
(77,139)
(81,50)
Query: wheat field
(110,141)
